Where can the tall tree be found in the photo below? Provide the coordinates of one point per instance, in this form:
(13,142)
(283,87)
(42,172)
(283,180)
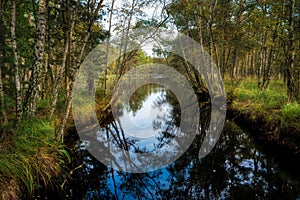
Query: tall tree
(93,13)
(16,61)
(3,117)
(292,89)
(111,10)
(62,70)
(35,79)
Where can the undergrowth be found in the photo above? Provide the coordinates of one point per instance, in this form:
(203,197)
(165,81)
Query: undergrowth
(271,98)
(291,112)
(272,103)
(30,159)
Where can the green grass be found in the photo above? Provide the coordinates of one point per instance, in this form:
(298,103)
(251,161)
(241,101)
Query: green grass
(271,98)
(31,157)
(271,103)
(291,112)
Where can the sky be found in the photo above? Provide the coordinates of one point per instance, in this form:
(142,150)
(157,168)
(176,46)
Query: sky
(152,11)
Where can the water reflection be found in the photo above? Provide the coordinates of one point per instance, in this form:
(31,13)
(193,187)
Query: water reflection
(235,169)
(148,118)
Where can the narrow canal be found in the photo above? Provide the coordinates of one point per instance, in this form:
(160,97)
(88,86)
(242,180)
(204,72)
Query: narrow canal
(237,167)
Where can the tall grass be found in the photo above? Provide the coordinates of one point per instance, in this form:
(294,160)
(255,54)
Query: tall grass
(31,157)
(271,98)
(291,112)
(272,102)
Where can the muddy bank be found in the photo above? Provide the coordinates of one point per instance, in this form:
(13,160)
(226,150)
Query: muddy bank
(283,140)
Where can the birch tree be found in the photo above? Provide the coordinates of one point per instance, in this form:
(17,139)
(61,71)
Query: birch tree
(35,79)
(16,62)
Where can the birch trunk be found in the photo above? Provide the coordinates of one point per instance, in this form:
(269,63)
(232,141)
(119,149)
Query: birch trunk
(35,79)
(16,62)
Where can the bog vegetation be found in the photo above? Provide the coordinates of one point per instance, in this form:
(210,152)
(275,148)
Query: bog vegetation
(254,44)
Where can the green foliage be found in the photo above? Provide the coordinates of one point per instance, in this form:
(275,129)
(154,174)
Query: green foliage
(291,112)
(270,103)
(32,157)
(43,105)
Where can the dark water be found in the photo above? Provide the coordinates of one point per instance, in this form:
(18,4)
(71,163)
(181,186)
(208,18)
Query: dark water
(236,168)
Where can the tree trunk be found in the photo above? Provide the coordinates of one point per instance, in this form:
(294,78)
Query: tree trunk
(16,62)
(124,56)
(62,70)
(60,132)
(292,90)
(270,61)
(107,44)
(3,117)
(35,79)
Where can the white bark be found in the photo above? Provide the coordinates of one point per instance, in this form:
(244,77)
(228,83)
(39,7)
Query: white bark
(35,79)
(16,62)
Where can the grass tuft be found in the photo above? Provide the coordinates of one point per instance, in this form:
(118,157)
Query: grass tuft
(31,159)
(291,112)
(247,97)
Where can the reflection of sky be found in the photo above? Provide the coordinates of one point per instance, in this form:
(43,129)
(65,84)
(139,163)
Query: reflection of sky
(147,125)
(139,124)
(245,166)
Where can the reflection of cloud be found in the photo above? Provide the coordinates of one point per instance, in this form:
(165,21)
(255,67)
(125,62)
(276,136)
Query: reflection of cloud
(183,46)
(140,123)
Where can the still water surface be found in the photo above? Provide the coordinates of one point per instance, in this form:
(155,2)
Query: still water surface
(237,168)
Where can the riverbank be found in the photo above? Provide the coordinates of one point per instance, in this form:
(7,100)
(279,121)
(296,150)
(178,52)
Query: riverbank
(268,114)
(31,160)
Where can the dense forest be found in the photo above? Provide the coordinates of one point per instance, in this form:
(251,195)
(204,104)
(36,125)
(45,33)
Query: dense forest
(255,44)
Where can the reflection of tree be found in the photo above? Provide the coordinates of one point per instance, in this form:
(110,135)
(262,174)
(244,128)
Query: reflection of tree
(235,169)
(165,123)
(140,95)
(171,119)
